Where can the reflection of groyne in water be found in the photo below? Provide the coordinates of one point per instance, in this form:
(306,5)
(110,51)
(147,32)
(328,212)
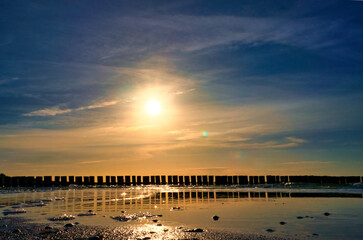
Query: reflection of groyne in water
(116,199)
(48,181)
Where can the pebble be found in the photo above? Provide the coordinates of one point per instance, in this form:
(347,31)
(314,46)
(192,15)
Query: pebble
(159,224)
(327,214)
(95,237)
(215,218)
(282,223)
(63,217)
(89,213)
(69,225)
(299,217)
(175,208)
(155,220)
(195,230)
(270,230)
(315,234)
(14,211)
(48,229)
(16,231)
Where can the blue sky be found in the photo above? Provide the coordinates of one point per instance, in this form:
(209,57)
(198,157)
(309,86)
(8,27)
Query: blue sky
(276,84)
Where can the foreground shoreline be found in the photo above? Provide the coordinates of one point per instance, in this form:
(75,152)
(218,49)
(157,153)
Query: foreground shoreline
(21,228)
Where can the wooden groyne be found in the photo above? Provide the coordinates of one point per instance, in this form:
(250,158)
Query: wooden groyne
(48,181)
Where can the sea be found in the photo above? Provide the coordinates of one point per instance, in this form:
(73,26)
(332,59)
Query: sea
(327,212)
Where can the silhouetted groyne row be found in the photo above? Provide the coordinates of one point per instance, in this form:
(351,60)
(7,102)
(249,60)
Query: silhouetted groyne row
(48,181)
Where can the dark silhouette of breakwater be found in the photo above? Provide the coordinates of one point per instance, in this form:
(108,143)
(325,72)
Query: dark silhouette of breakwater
(49,181)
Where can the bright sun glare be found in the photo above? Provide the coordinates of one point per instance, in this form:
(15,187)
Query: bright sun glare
(153,107)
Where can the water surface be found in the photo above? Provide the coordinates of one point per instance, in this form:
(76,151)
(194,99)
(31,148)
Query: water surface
(241,210)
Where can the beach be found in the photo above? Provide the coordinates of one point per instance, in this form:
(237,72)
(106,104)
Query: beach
(18,228)
(164,212)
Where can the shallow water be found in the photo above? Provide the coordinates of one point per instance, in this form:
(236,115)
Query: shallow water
(241,210)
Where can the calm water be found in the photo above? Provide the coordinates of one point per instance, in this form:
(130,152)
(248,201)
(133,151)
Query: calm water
(242,210)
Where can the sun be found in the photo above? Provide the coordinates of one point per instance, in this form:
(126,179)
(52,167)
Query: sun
(153,107)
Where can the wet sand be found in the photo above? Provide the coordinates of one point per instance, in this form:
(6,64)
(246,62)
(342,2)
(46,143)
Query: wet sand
(182,213)
(20,228)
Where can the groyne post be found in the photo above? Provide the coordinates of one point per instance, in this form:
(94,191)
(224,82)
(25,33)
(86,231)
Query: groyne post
(113,180)
(47,181)
(99,180)
(30,181)
(193,180)
(255,180)
(205,180)
(146,180)
(199,180)
(250,179)
(2,181)
(187,180)
(170,180)
(71,180)
(235,180)
(15,181)
(120,180)
(92,180)
(270,179)
(39,181)
(64,181)
(56,181)
(157,180)
(152,180)
(108,180)
(78,180)
(175,180)
(261,179)
(7,181)
(128,180)
(229,180)
(22,181)
(86,180)
(181,180)
(163,180)
(242,180)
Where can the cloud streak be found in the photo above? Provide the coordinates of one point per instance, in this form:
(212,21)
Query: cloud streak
(56,110)
(296,140)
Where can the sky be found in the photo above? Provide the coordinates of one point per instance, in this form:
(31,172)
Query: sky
(245,87)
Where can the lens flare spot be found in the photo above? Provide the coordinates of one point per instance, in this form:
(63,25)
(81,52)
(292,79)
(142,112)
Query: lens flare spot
(205,134)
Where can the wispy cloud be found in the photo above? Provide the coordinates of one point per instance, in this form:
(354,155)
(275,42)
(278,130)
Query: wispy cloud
(307,162)
(48,112)
(296,140)
(184,91)
(199,35)
(56,110)
(91,162)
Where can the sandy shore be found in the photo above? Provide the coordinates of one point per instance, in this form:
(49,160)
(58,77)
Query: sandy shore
(20,228)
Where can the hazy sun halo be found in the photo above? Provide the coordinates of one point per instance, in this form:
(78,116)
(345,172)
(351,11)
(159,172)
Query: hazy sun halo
(153,107)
